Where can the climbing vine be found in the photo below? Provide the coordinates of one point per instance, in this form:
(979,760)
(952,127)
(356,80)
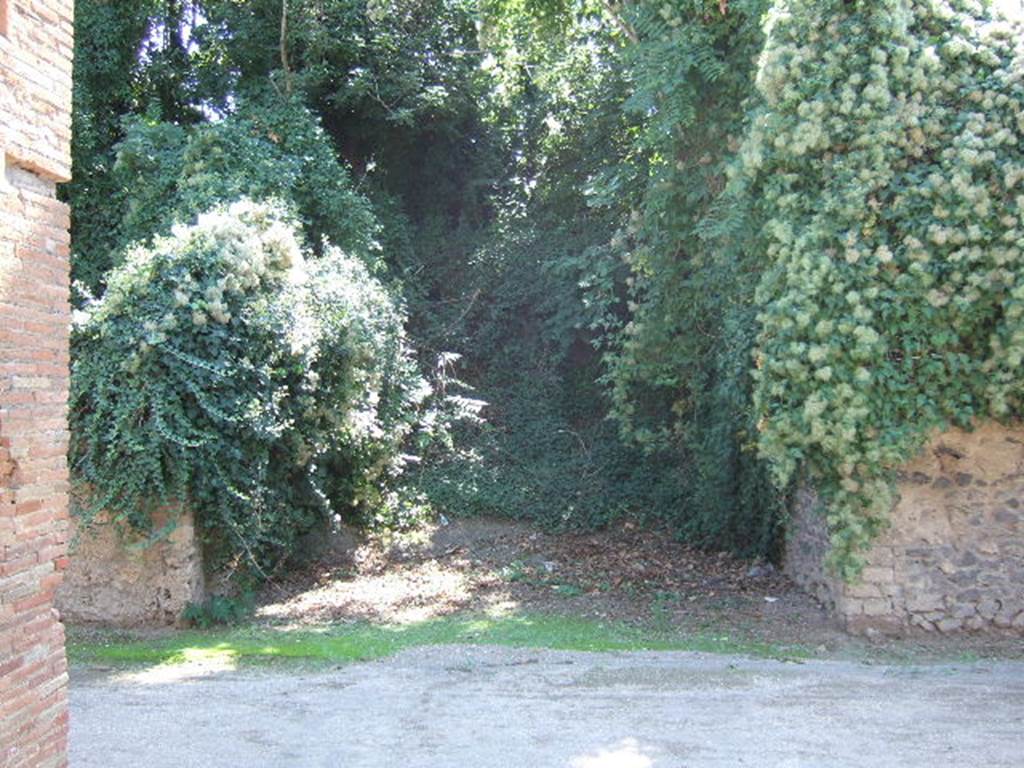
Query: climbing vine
(885,171)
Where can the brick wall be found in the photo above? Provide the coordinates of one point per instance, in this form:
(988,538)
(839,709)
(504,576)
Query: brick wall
(35,94)
(35,102)
(952,559)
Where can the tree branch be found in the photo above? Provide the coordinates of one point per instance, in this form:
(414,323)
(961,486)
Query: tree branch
(284,48)
(624,25)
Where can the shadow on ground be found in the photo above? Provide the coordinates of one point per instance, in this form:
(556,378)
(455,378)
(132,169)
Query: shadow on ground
(626,575)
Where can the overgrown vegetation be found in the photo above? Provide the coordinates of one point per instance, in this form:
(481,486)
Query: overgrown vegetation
(687,252)
(226,370)
(884,173)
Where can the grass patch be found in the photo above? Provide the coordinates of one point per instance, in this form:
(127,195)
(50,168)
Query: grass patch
(360,642)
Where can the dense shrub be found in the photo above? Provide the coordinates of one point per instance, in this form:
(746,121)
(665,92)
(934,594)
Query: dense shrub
(885,171)
(596,292)
(226,370)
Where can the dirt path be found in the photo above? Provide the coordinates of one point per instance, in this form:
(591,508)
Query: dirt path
(504,708)
(628,574)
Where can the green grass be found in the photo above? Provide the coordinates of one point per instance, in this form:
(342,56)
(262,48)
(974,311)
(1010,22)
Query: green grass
(360,642)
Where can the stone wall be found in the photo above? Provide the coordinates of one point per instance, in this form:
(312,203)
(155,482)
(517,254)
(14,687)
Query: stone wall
(35,114)
(120,581)
(952,559)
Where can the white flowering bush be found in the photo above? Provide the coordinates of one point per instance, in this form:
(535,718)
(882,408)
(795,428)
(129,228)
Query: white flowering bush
(887,171)
(226,371)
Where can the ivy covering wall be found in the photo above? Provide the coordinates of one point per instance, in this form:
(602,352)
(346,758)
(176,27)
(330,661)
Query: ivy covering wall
(885,173)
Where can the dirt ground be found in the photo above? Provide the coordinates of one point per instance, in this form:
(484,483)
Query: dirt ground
(879,702)
(626,574)
(445,707)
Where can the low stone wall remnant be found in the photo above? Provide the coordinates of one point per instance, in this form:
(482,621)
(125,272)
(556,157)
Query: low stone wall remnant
(952,559)
(118,580)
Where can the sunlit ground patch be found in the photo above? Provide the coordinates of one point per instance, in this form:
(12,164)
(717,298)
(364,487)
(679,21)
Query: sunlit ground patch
(401,596)
(627,754)
(198,653)
(182,664)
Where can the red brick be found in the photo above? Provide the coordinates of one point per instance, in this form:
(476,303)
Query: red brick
(28,507)
(35,70)
(27,604)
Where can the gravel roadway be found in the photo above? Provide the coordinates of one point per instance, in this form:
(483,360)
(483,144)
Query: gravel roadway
(488,707)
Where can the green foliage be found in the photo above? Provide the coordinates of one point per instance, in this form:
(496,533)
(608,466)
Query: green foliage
(269,148)
(597,247)
(396,84)
(132,58)
(305,398)
(218,610)
(546,451)
(225,370)
(604,209)
(380,61)
(107,39)
(677,364)
(884,170)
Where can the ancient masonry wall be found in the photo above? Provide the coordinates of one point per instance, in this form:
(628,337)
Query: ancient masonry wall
(119,580)
(35,127)
(952,559)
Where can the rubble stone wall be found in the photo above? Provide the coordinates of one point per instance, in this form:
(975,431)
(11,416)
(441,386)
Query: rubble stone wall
(124,581)
(952,559)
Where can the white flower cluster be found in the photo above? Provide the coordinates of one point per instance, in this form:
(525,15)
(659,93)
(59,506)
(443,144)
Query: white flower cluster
(196,273)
